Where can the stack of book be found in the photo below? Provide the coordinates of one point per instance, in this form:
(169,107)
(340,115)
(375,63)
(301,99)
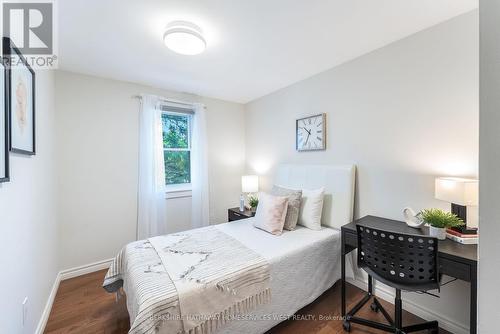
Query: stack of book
(468,238)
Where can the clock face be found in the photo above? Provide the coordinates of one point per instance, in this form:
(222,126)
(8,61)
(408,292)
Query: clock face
(311,134)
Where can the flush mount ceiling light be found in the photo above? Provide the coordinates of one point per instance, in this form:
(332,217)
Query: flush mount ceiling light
(185,38)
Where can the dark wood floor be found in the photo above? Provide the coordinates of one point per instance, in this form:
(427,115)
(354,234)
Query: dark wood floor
(82,306)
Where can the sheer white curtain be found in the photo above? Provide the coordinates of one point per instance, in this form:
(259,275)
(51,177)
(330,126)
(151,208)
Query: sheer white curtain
(199,169)
(151,187)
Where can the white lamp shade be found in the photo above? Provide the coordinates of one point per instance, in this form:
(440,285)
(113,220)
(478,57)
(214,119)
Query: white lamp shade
(250,183)
(457,190)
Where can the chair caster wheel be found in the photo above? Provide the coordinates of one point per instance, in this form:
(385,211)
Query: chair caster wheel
(347,326)
(374,307)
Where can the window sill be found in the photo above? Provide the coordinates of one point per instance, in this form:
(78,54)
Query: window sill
(178,191)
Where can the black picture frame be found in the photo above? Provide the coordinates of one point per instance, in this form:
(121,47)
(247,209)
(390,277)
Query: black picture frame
(5,127)
(11,52)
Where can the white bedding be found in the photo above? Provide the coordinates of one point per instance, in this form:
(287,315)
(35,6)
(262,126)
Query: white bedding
(304,263)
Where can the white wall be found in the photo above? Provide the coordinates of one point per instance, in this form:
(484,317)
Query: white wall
(403,114)
(29,256)
(98,122)
(489,167)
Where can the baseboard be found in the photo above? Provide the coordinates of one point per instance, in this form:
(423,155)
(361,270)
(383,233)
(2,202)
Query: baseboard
(48,306)
(64,275)
(85,269)
(388,295)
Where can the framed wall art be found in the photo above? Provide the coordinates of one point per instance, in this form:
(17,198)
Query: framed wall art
(4,125)
(21,97)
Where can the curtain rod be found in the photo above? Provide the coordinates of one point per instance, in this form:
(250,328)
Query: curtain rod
(164,99)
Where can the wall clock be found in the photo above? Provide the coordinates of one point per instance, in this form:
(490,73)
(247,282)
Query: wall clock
(310,133)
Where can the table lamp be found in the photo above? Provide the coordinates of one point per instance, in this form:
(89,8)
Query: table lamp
(463,194)
(249,184)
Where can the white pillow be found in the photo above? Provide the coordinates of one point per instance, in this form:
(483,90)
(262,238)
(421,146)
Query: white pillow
(311,208)
(271,213)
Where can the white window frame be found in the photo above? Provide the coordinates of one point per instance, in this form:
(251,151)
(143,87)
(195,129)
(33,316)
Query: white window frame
(180,189)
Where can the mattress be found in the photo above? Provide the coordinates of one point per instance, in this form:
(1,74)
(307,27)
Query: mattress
(304,263)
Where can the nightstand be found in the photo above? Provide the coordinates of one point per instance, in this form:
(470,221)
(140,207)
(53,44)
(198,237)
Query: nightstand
(235,214)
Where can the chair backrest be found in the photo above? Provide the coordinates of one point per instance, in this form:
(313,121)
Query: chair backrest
(403,261)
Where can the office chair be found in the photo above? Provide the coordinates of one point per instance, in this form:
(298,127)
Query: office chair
(402,261)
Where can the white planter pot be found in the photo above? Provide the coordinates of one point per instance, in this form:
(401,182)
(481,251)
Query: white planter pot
(437,232)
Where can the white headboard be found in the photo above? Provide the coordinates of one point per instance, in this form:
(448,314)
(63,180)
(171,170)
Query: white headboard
(338,181)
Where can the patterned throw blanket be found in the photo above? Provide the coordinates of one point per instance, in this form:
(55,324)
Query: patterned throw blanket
(190,282)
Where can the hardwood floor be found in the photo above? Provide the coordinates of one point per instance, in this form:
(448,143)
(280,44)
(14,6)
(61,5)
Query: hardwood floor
(82,306)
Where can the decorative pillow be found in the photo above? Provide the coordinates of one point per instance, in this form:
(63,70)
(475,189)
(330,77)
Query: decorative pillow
(271,213)
(292,212)
(311,208)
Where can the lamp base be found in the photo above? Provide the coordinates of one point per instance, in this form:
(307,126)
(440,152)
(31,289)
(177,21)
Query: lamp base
(461,212)
(242,203)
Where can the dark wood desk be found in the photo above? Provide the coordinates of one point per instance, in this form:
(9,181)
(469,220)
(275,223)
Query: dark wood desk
(455,259)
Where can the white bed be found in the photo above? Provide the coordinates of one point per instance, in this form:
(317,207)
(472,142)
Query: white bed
(302,263)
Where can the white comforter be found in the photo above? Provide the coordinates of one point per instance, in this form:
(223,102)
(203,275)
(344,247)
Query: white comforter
(304,263)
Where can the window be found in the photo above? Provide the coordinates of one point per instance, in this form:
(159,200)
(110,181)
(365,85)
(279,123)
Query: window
(177,149)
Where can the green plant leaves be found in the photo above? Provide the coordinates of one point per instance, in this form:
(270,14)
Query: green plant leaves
(440,219)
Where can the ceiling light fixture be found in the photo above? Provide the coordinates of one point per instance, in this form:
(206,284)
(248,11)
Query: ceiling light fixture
(185,38)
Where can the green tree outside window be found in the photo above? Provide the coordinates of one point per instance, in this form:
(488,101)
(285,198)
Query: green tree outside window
(177,148)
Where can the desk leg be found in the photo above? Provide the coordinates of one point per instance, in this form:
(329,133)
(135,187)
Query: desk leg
(473,300)
(342,261)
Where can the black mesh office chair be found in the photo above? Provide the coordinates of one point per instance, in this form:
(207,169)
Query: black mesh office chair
(402,261)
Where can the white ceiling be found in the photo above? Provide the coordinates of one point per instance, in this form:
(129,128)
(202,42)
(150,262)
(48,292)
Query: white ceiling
(254,46)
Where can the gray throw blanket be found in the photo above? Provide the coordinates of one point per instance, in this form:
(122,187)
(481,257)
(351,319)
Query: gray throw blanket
(189,282)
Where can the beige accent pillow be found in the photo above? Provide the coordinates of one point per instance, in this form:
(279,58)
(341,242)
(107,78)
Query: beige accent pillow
(271,213)
(311,208)
(292,212)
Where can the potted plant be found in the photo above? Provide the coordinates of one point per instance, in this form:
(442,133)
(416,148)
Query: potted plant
(439,221)
(253,201)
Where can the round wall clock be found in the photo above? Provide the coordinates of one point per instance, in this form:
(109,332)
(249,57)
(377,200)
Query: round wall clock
(311,133)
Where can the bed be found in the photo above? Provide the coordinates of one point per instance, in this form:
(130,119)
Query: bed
(294,268)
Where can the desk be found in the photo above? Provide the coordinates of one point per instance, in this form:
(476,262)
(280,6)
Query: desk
(455,259)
